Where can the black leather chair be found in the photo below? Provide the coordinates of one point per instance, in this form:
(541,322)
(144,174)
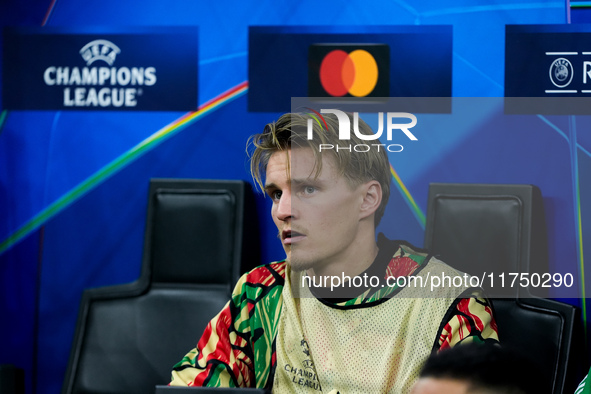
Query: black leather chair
(480,229)
(129,336)
(12,379)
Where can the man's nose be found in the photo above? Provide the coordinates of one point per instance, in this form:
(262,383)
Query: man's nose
(284,207)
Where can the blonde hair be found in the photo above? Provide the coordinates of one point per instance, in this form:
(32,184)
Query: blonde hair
(291,130)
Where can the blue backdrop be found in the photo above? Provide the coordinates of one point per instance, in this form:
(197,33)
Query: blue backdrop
(73,184)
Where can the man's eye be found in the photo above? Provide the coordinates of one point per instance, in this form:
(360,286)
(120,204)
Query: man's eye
(309,189)
(276,195)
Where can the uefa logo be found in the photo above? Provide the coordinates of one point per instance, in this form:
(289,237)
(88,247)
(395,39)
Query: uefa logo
(561,72)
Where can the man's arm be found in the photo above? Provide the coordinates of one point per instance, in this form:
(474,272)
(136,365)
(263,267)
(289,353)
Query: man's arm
(235,349)
(215,360)
(470,319)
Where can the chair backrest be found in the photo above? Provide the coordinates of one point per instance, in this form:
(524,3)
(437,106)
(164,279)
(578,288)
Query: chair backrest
(544,330)
(12,379)
(483,229)
(129,336)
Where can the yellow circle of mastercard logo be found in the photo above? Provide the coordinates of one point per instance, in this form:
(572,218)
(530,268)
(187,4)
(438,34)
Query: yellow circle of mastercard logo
(355,73)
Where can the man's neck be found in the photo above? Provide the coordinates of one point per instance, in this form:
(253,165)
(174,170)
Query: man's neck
(359,257)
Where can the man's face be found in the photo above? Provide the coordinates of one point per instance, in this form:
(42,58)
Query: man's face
(317,217)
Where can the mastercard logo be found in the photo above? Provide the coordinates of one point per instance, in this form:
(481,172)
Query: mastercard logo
(355,73)
(348,70)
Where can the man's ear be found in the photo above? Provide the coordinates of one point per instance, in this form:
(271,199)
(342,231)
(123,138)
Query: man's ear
(372,198)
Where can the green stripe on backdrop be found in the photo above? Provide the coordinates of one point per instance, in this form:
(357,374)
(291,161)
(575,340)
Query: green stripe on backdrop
(3,116)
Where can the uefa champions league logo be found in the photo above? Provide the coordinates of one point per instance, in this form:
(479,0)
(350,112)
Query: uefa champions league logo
(97,85)
(561,72)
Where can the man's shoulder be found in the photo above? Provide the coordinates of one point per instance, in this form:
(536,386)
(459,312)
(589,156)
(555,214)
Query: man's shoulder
(425,258)
(435,264)
(406,259)
(437,278)
(267,274)
(258,293)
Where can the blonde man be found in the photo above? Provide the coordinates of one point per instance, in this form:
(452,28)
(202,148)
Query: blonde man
(339,313)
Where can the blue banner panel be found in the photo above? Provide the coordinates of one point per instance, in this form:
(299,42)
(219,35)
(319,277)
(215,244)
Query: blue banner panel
(140,69)
(348,62)
(548,61)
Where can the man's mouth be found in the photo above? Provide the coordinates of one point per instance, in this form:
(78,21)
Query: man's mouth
(291,236)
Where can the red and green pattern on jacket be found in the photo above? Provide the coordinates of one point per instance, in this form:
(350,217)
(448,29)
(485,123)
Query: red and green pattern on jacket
(237,348)
(238,343)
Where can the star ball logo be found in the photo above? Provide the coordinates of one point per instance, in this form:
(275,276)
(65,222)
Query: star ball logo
(561,72)
(100,50)
(349,70)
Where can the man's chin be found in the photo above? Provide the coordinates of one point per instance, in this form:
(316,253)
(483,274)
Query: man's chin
(298,264)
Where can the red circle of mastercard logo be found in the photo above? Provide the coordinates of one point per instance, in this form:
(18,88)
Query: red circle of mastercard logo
(355,73)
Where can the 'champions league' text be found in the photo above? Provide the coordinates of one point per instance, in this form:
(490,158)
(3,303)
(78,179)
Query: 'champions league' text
(121,91)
